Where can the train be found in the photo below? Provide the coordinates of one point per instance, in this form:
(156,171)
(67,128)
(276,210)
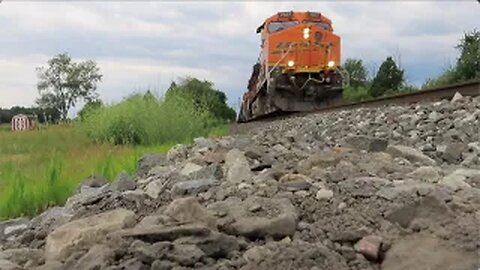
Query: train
(298,68)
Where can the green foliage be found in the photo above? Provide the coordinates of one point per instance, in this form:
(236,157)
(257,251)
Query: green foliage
(467,66)
(447,77)
(64,82)
(205,97)
(88,107)
(357,72)
(407,88)
(356,94)
(389,77)
(147,120)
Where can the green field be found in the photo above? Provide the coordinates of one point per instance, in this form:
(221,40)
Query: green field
(41,167)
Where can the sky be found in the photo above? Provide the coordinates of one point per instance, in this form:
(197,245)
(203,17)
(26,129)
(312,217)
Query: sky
(147,44)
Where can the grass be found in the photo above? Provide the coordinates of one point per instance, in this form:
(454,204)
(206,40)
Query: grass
(356,94)
(42,167)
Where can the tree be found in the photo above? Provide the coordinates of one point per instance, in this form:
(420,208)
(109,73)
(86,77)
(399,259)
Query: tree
(389,78)
(205,97)
(468,64)
(64,82)
(357,72)
(89,107)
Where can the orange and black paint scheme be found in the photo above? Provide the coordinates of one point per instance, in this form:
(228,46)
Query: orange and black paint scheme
(298,67)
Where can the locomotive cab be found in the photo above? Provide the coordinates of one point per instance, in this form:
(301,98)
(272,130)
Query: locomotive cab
(298,67)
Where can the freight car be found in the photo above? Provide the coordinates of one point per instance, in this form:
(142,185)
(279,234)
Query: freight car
(298,68)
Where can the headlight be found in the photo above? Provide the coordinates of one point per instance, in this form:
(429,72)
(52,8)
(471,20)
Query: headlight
(290,63)
(306,33)
(331,64)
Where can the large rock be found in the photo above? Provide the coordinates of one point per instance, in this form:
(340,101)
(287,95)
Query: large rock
(8,265)
(379,164)
(457,97)
(215,245)
(186,255)
(188,210)
(294,255)
(177,153)
(453,152)
(190,168)
(149,161)
(408,189)
(256,217)
(146,252)
(157,233)
(455,181)
(367,143)
(467,172)
(123,182)
(425,252)
(237,167)
(427,174)
(13,227)
(51,219)
(84,233)
(155,188)
(21,256)
(321,160)
(428,208)
(86,197)
(213,171)
(97,257)
(410,154)
(51,265)
(94,181)
(192,187)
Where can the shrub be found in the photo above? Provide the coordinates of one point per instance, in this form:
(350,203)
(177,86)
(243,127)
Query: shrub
(356,94)
(148,120)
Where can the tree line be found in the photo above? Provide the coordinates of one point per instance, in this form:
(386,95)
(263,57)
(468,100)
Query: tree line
(64,82)
(390,77)
(43,115)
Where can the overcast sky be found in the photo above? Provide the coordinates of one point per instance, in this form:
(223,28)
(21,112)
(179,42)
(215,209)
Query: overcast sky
(145,45)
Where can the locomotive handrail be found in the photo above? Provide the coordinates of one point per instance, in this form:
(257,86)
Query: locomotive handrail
(276,65)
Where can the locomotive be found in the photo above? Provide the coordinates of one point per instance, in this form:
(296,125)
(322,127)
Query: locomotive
(298,68)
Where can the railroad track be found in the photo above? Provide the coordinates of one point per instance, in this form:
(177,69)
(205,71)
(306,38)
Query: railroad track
(470,88)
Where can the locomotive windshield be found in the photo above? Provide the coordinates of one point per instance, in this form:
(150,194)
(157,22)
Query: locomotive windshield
(278,26)
(322,25)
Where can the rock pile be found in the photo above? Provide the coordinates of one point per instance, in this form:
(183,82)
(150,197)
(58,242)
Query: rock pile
(385,188)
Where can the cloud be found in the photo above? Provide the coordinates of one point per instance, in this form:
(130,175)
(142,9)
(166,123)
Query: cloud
(147,44)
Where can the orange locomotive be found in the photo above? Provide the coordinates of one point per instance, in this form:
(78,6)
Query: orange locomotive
(298,67)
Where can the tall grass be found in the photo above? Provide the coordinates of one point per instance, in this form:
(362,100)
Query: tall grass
(41,168)
(147,120)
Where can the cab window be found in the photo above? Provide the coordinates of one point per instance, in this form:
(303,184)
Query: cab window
(279,26)
(322,25)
